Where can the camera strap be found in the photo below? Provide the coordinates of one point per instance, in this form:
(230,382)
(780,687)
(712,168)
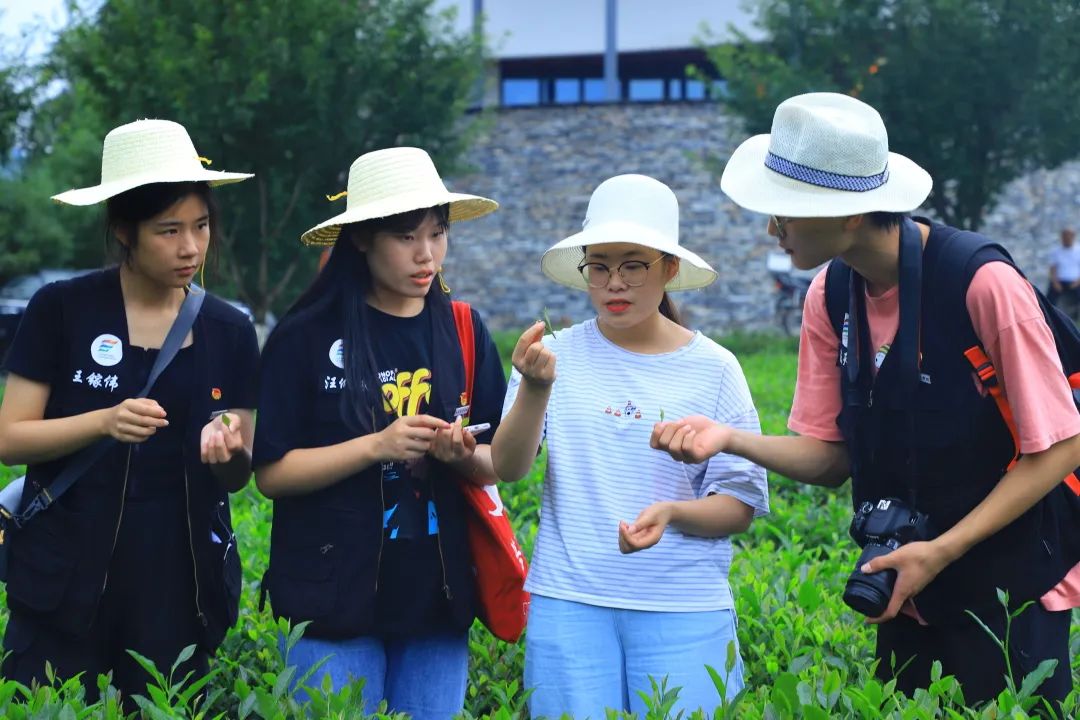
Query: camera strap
(906,344)
(908,336)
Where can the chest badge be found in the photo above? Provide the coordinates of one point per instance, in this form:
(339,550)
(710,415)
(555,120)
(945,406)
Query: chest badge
(107,350)
(337,354)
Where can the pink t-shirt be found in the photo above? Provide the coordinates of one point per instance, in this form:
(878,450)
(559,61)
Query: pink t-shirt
(1007,319)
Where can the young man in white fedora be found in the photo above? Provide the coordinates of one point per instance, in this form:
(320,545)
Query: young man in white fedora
(906,339)
(361,441)
(601,621)
(138,552)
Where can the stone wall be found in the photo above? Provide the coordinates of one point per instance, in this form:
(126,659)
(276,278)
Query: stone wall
(542,164)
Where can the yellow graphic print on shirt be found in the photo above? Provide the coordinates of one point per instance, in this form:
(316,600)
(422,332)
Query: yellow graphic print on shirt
(403,391)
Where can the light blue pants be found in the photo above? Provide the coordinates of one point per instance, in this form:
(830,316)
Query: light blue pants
(423,676)
(582,659)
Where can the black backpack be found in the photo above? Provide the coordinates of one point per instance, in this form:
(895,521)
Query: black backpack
(960,255)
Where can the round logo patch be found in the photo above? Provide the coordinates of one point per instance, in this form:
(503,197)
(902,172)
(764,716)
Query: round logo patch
(107,350)
(337,354)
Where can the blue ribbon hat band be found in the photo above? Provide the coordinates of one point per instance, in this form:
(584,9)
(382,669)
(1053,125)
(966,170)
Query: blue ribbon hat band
(823,178)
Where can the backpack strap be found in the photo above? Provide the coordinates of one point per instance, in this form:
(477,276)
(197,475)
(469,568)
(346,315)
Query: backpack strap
(837,277)
(464,323)
(961,256)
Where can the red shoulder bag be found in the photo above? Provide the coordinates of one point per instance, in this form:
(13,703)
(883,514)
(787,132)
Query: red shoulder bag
(498,563)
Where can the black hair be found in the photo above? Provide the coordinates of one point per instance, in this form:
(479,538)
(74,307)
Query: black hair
(345,281)
(885,220)
(125,211)
(669,310)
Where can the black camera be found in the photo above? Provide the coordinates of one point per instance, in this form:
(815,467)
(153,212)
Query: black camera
(881,527)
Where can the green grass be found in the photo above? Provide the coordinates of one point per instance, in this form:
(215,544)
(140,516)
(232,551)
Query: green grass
(807,655)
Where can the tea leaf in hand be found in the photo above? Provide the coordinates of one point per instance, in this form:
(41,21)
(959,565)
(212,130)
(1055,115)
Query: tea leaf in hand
(225,420)
(661,414)
(547,321)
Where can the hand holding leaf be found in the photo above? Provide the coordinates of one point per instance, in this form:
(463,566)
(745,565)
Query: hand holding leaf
(547,321)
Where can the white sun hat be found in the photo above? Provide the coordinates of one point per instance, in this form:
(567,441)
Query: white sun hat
(392,181)
(827,156)
(628,209)
(145,152)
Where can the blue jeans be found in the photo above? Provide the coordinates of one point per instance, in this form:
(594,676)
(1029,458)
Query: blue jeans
(582,659)
(423,676)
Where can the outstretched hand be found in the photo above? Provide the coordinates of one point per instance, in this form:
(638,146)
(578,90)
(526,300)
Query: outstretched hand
(692,439)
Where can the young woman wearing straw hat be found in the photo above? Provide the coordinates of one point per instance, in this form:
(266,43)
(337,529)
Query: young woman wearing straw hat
(360,442)
(602,622)
(138,553)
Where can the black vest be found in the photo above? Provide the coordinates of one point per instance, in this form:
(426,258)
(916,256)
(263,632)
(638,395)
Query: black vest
(59,560)
(325,546)
(923,431)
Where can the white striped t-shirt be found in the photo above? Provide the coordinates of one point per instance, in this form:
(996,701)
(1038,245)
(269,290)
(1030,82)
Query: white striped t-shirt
(601,470)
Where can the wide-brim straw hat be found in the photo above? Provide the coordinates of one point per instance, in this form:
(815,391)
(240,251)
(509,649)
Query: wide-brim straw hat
(827,156)
(393,181)
(145,152)
(633,209)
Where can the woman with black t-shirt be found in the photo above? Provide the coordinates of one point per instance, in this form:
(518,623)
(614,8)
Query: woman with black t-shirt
(138,554)
(362,438)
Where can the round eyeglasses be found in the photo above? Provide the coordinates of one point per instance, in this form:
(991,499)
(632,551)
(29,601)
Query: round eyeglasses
(633,272)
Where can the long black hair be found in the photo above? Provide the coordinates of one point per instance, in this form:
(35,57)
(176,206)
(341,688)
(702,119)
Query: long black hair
(344,284)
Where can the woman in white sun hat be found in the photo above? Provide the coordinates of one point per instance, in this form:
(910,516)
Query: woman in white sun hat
(361,440)
(603,621)
(138,553)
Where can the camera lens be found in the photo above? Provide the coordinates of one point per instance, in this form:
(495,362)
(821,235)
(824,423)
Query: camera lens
(870,594)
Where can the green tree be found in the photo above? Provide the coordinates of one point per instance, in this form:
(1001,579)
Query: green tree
(291,90)
(976,91)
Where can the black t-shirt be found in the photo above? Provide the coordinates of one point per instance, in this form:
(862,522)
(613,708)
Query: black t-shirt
(302,381)
(410,574)
(101,368)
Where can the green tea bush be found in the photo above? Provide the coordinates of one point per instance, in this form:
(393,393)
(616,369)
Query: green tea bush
(806,654)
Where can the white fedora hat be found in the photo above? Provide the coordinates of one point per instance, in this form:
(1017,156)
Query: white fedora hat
(628,209)
(145,152)
(827,156)
(392,181)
